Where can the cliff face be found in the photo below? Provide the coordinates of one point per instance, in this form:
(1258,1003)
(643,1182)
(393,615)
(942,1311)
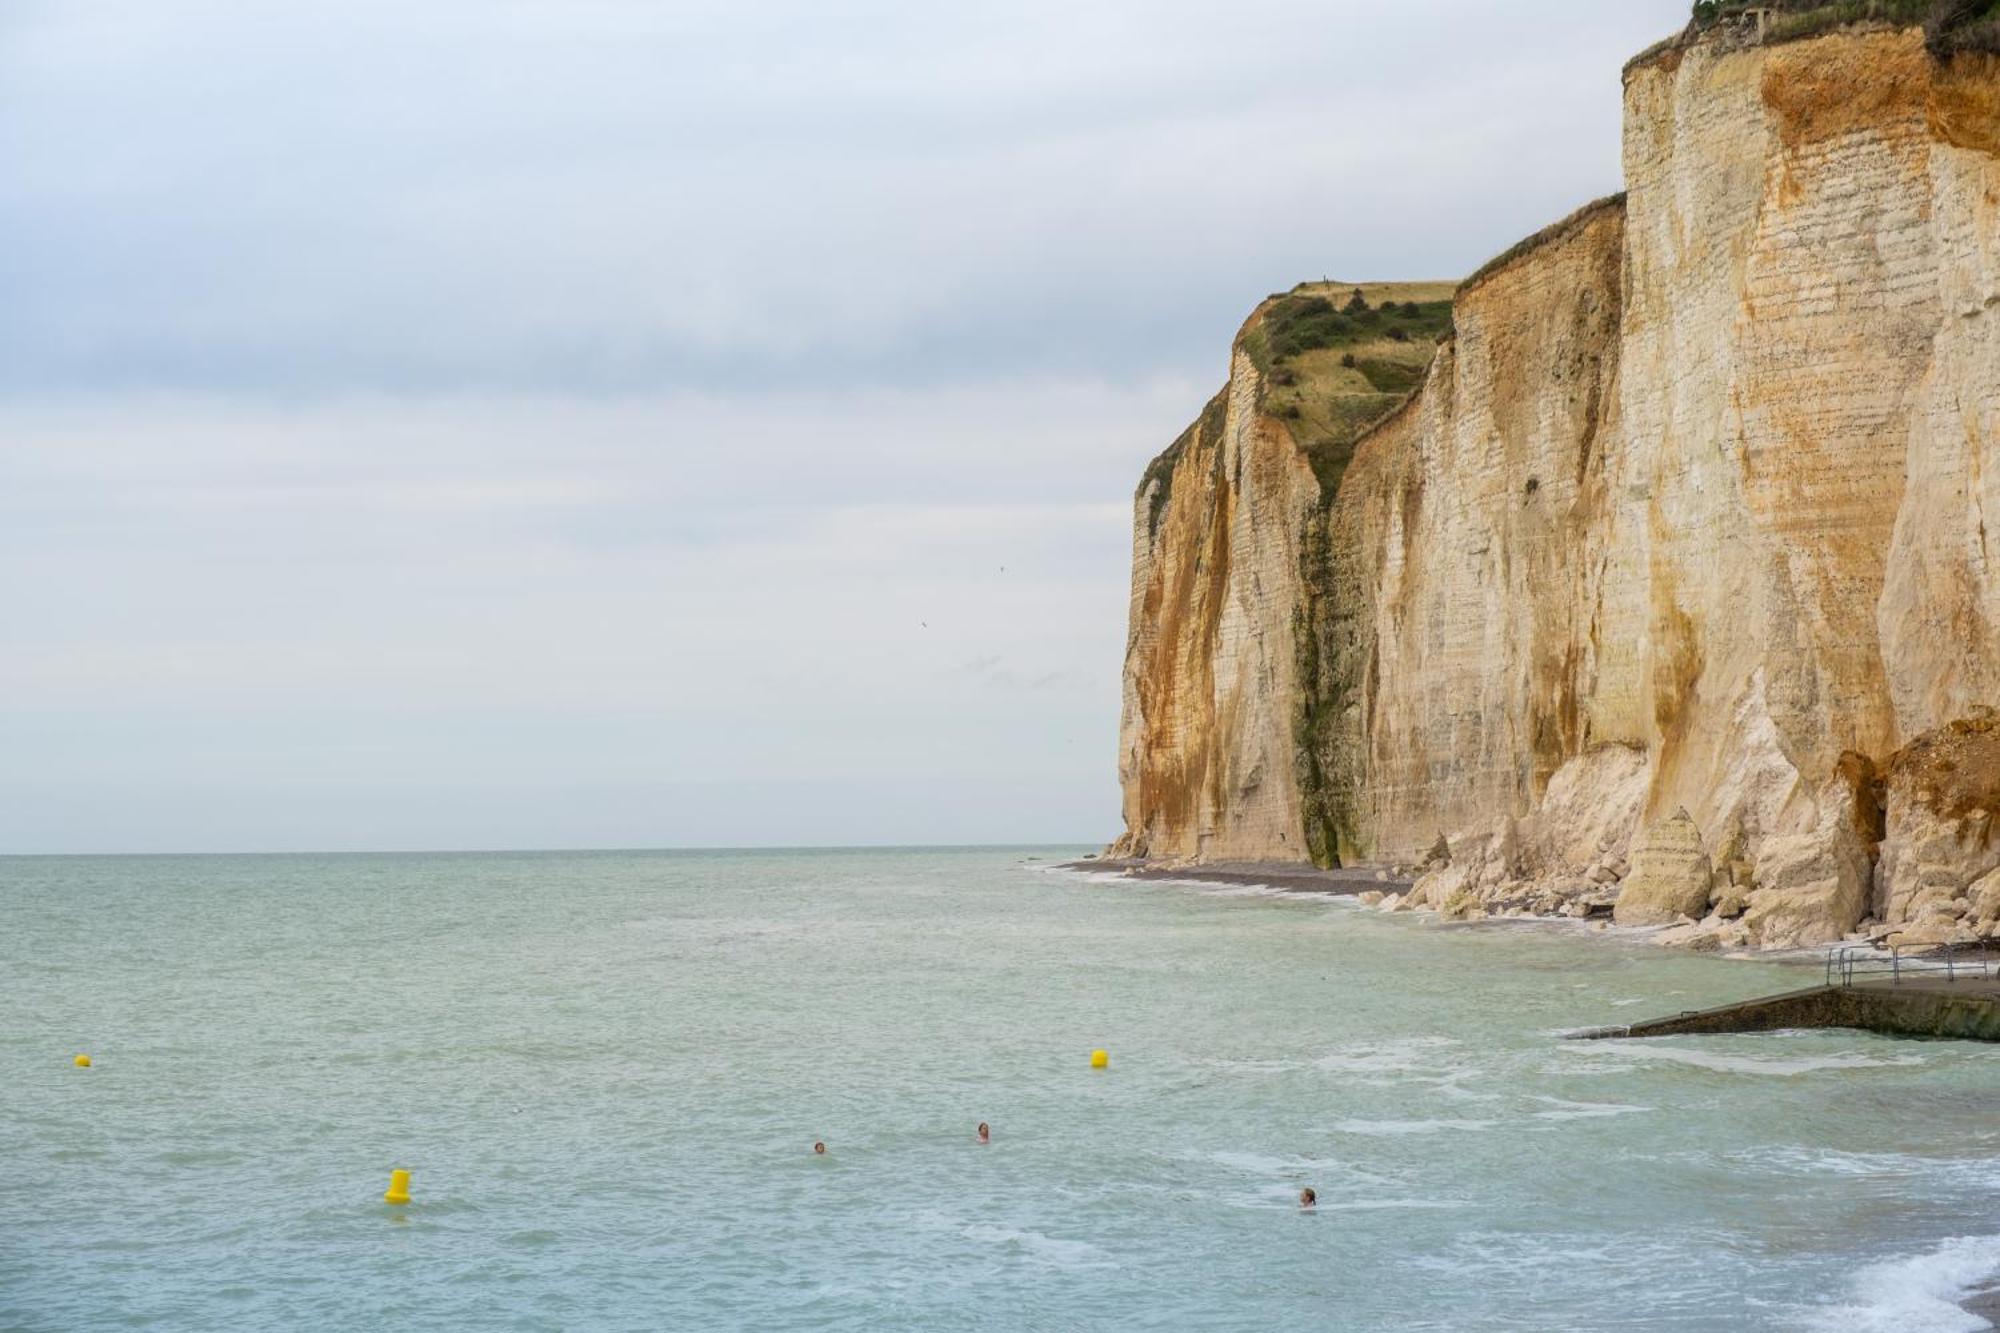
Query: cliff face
(1465,552)
(1209,684)
(1209,757)
(1690,513)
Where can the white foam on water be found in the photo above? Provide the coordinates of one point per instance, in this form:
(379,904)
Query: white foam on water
(1917,1294)
(1503,1259)
(1254,1067)
(1449,1087)
(1088,876)
(1211,888)
(1407,1126)
(1836,1162)
(1260,1164)
(1568,1110)
(1385,1057)
(1073,1254)
(1225,890)
(1769,1066)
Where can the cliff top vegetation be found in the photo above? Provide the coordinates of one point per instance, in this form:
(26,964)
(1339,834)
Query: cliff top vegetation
(1336,359)
(1950,26)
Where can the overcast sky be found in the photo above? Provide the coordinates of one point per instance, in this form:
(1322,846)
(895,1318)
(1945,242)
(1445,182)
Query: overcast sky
(546,423)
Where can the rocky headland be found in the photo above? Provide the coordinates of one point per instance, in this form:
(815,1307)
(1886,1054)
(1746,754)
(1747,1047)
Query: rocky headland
(1647,570)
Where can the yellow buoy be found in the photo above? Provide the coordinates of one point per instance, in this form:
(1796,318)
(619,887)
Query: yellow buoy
(399,1187)
(1100,1059)
(83,1062)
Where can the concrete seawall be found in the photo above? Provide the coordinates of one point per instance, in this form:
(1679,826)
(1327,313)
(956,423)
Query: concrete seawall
(1967,1009)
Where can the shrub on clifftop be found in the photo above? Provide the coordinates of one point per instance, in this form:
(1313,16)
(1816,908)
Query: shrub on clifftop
(1950,26)
(1962,25)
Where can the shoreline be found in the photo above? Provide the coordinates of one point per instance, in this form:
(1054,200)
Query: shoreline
(1287,876)
(1354,881)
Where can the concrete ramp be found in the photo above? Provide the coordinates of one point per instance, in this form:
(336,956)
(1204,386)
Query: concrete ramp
(1967,1009)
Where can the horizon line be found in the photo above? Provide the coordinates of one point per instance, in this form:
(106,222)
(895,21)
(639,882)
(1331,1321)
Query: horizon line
(572,851)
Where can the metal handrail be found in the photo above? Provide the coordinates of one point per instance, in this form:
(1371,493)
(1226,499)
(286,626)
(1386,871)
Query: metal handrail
(1948,960)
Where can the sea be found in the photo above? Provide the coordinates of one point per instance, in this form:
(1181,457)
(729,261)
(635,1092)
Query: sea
(606,1073)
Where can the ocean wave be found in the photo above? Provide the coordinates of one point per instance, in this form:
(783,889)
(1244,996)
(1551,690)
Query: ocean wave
(1917,1294)
(1568,1110)
(1261,1164)
(1769,1066)
(1385,1057)
(1075,1254)
(1839,1162)
(1078,871)
(1387,1127)
(1209,888)
(1214,889)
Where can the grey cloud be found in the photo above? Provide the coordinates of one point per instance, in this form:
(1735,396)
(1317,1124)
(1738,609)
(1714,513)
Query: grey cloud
(502,422)
(630,197)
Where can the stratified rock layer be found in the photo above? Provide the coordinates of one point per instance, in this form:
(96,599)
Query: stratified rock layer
(1670,876)
(1690,513)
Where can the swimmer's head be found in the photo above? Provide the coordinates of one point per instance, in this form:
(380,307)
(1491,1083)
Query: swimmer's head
(820,1148)
(1307,1197)
(984,1132)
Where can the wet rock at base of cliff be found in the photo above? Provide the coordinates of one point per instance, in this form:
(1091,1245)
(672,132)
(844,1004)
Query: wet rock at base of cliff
(1670,875)
(1735,877)
(1432,888)
(1813,887)
(1984,897)
(1932,932)
(1939,846)
(1463,904)
(1480,865)
(1710,935)
(1729,900)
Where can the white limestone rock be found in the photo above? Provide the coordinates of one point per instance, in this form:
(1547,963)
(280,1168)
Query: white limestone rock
(1670,875)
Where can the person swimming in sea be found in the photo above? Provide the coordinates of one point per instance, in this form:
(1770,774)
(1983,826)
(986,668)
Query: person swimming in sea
(985,1134)
(1308,1198)
(819,1150)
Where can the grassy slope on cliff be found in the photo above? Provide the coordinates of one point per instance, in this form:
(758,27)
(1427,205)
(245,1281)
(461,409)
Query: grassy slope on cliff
(1331,366)
(1336,359)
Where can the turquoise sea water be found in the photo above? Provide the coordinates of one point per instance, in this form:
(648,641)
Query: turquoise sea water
(606,1072)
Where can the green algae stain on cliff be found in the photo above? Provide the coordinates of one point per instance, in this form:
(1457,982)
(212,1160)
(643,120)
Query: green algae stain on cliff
(1327,821)
(1338,363)
(1334,663)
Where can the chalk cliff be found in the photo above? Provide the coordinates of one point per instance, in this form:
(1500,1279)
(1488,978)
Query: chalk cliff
(1683,532)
